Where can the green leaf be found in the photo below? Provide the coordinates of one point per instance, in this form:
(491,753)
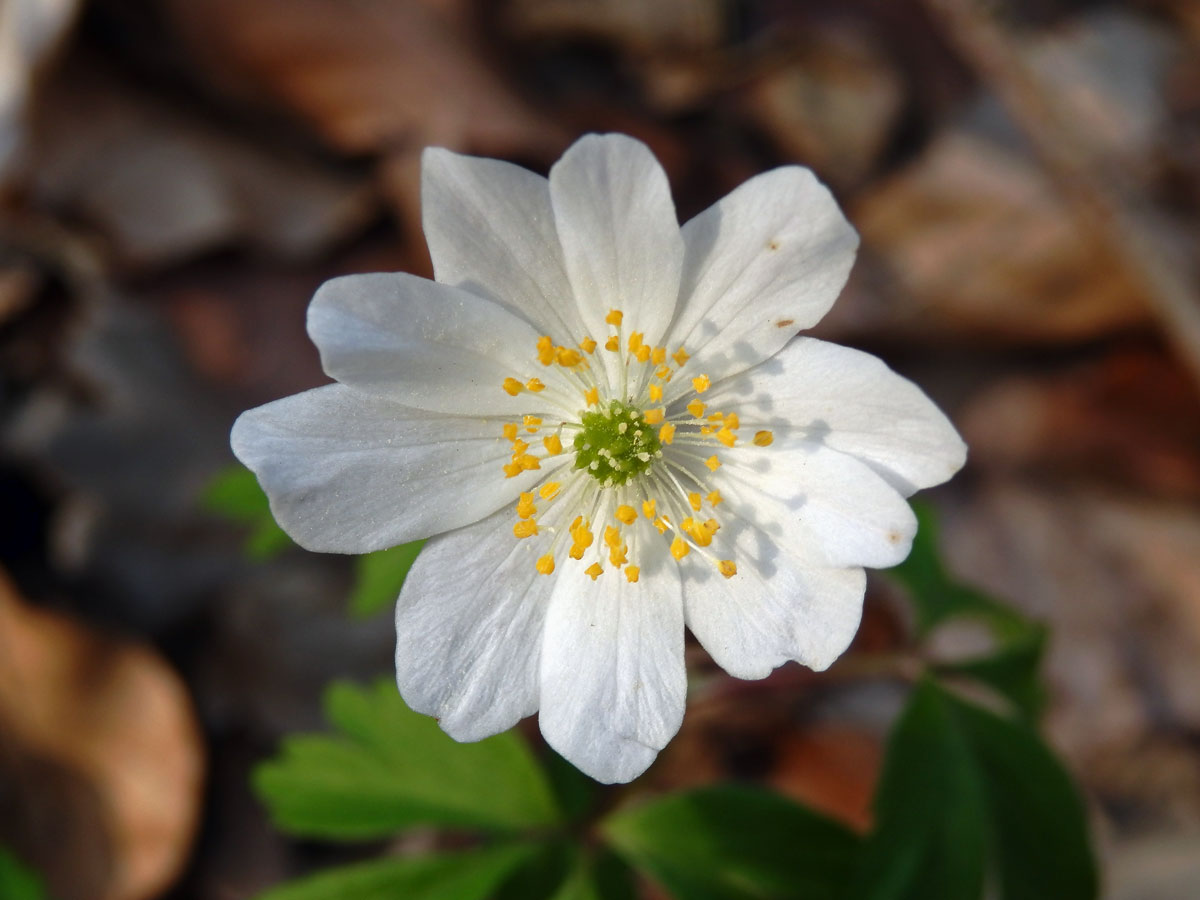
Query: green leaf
(969,799)
(379,576)
(1012,671)
(937,598)
(457,876)
(235,494)
(18,881)
(734,843)
(601,877)
(391,768)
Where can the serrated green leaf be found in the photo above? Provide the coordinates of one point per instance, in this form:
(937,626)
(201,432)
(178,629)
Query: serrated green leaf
(235,494)
(937,598)
(391,768)
(379,576)
(1012,671)
(734,843)
(18,881)
(969,799)
(458,876)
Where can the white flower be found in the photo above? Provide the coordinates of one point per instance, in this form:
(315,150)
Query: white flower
(602,419)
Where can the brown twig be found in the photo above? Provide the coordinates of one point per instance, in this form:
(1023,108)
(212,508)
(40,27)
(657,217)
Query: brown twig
(1105,202)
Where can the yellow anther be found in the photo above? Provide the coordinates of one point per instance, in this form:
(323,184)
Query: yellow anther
(712,526)
(588,345)
(510,431)
(635,341)
(664,373)
(519,447)
(632,573)
(698,532)
(512,386)
(578,521)
(531,423)
(627,515)
(716,417)
(582,536)
(706,430)
(576,551)
(727,568)
(659,356)
(680,356)
(553,444)
(614,318)
(613,343)
(666,434)
(568,357)
(525,507)
(694,500)
(714,497)
(648,509)
(732,421)
(545,564)
(726,437)
(612,536)
(696,408)
(549,490)
(618,555)
(592,396)
(763,439)
(655,393)
(512,470)
(653,416)
(701,383)
(525,528)
(679,548)
(545,350)
(662,524)
(527,462)
(595,570)
(535,385)
(642,353)
(712,462)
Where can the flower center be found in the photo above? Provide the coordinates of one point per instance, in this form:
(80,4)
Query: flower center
(615,444)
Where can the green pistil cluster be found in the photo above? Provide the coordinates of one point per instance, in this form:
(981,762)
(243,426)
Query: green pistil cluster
(615,444)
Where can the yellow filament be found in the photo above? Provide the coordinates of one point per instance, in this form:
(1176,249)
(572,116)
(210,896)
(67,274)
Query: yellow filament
(545,564)
(727,568)
(701,383)
(595,570)
(679,548)
(512,386)
(626,514)
(763,439)
(632,573)
(525,528)
(666,434)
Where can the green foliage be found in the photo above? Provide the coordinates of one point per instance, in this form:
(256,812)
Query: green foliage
(452,876)
(18,881)
(379,577)
(235,494)
(391,768)
(969,799)
(731,843)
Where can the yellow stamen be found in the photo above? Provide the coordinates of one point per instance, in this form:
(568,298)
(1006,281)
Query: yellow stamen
(613,343)
(525,507)
(726,437)
(588,345)
(512,386)
(648,509)
(519,447)
(714,498)
(727,568)
(680,356)
(659,356)
(553,444)
(545,350)
(716,417)
(535,385)
(631,574)
(679,548)
(635,341)
(662,524)
(763,439)
(701,383)
(545,564)
(549,490)
(642,353)
(626,514)
(617,555)
(510,431)
(527,462)
(696,408)
(655,393)
(614,318)
(653,416)
(694,500)
(732,421)
(531,423)
(712,462)
(612,536)
(666,434)
(712,525)
(664,372)
(595,570)
(568,357)
(512,470)
(525,528)
(592,396)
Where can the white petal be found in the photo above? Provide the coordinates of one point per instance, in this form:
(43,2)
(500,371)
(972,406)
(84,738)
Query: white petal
(490,229)
(762,263)
(469,629)
(849,401)
(424,344)
(825,508)
(613,680)
(350,473)
(620,238)
(776,608)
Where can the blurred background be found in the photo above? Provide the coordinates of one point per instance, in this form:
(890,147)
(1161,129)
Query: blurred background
(177,177)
